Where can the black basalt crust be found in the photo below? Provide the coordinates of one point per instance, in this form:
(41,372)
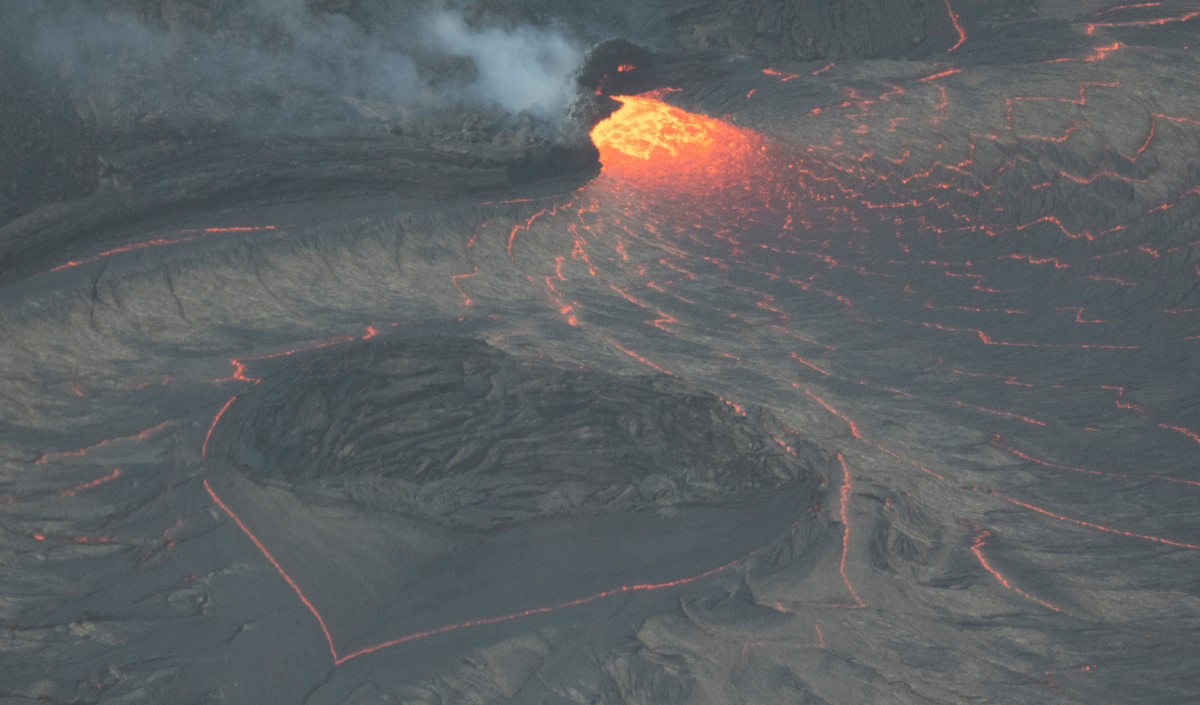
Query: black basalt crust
(169,179)
(453,430)
(551,161)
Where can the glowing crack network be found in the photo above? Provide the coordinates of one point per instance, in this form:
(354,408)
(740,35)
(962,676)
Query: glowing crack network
(977,297)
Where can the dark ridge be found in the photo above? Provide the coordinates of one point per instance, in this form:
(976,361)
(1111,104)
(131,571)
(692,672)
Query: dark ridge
(455,424)
(168,179)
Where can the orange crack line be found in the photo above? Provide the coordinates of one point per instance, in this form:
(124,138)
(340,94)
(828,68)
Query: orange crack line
(1101,53)
(660,323)
(98,481)
(947,72)
(802,361)
(83,451)
(1099,174)
(265,552)
(835,412)
(846,531)
(1184,431)
(231,230)
(1094,526)
(125,248)
(962,36)
(204,448)
(1145,23)
(1079,315)
(529,223)
(989,341)
(1030,458)
(626,296)
(338,660)
(239,364)
(975,548)
(1121,282)
(1056,221)
(154,243)
(784,77)
(454,280)
(1031,260)
(563,308)
(854,430)
(481,226)
(639,357)
(1002,413)
(539,610)
(1126,7)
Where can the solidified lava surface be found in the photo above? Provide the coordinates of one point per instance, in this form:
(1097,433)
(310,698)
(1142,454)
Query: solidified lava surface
(456,432)
(864,370)
(408,489)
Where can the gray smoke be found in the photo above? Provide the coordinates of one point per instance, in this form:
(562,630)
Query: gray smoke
(290,63)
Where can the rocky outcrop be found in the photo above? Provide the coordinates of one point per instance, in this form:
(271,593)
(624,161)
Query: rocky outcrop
(454,431)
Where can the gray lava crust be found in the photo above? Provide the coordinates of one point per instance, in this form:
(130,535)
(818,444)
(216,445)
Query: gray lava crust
(971,286)
(457,432)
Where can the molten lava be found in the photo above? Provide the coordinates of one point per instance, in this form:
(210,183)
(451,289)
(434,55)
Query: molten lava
(702,169)
(644,124)
(651,143)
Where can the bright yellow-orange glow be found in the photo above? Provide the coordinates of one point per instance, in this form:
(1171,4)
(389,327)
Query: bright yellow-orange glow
(665,152)
(645,125)
(673,161)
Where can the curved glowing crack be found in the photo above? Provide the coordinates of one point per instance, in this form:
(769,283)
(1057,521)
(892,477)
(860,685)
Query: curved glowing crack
(339,659)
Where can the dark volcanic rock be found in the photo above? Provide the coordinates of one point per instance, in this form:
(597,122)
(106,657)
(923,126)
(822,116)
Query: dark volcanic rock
(454,430)
(46,153)
(814,29)
(169,178)
(817,29)
(979,299)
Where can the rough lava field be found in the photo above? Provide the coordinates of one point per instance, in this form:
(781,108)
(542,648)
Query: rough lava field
(810,351)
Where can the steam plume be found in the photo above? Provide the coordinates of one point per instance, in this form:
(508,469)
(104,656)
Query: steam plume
(279,63)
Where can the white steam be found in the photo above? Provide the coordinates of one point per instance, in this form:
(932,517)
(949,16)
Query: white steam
(522,69)
(269,62)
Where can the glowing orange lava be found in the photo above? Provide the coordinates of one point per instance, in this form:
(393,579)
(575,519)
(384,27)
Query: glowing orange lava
(645,125)
(653,143)
(94,483)
(711,172)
